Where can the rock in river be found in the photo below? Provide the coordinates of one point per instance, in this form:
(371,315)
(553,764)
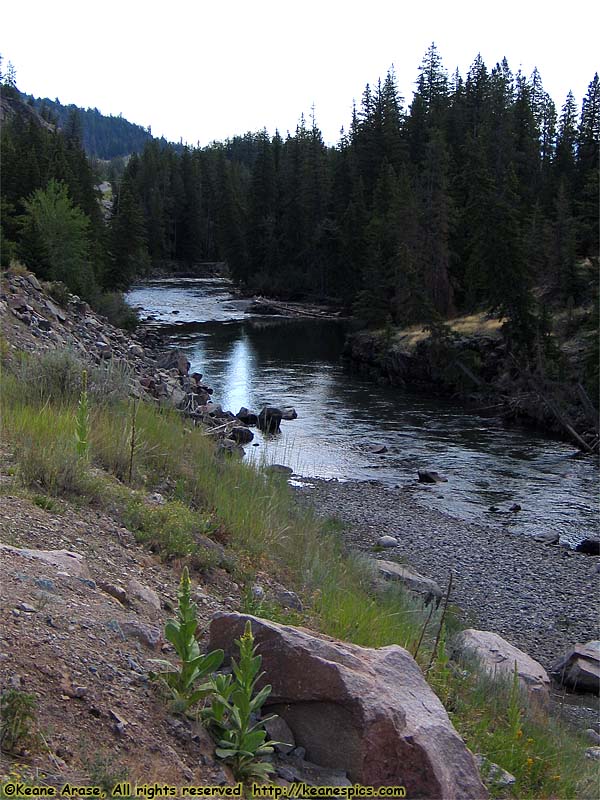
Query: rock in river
(429,476)
(269,419)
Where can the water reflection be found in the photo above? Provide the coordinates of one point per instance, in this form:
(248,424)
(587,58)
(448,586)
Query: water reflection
(259,361)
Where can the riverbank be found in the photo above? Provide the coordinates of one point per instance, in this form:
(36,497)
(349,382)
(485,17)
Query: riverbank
(541,598)
(468,360)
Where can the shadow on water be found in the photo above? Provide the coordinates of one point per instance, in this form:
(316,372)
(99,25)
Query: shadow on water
(255,361)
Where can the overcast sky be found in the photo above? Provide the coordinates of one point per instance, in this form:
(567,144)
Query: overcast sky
(208,69)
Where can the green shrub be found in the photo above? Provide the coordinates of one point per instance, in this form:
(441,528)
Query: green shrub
(112,305)
(170,529)
(18,721)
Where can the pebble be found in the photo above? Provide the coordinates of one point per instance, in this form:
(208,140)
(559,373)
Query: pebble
(387,541)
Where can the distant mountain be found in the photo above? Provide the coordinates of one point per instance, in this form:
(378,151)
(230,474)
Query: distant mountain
(104,137)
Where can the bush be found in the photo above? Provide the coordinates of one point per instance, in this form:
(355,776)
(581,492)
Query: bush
(169,529)
(112,305)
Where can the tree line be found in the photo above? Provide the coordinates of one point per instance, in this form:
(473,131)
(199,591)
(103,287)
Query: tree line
(480,194)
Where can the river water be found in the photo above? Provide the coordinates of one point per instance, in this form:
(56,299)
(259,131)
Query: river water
(254,361)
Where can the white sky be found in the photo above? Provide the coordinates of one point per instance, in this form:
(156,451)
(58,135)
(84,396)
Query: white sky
(206,69)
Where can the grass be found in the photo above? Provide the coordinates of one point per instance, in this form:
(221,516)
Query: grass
(253,514)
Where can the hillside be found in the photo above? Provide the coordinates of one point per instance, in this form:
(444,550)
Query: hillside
(104,136)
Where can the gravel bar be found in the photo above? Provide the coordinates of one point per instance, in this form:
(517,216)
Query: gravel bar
(541,598)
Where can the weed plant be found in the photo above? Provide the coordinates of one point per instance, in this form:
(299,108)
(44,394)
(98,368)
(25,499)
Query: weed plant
(194,667)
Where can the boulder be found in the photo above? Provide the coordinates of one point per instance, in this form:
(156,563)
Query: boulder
(368,712)
(178,397)
(33,281)
(56,312)
(579,669)
(289,413)
(241,434)
(269,419)
(413,581)
(247,417)
(174,359)
(288,599)
(63,561)
(429,476)
(229,447)
(148,635)
(136,350)
(498,657)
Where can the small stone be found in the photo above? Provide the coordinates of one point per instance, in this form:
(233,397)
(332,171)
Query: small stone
(387,541)
(114,591)
(289,599)
(515,507)
(492,774)
(28,609)
(258,592)
(593,753)
(547,538)
(143,593)
(146,634)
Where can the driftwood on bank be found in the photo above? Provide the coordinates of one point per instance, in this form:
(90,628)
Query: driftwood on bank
(561,417)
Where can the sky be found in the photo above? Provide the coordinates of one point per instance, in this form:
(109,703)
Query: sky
(206,70)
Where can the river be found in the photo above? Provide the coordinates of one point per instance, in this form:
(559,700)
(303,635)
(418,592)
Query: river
(254,361)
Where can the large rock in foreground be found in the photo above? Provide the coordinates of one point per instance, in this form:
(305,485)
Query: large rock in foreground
(579,669)
(498,657)
(369,712)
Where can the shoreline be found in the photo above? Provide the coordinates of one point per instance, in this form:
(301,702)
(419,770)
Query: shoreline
(542,598)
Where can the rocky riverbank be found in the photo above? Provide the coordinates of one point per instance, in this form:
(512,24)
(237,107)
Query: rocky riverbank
(542,598)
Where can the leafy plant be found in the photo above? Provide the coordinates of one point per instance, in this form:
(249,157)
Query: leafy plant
(181,632)
(240,740)
(82,420)
(18,728)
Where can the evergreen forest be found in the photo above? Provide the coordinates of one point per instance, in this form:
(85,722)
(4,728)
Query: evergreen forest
(478,194)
